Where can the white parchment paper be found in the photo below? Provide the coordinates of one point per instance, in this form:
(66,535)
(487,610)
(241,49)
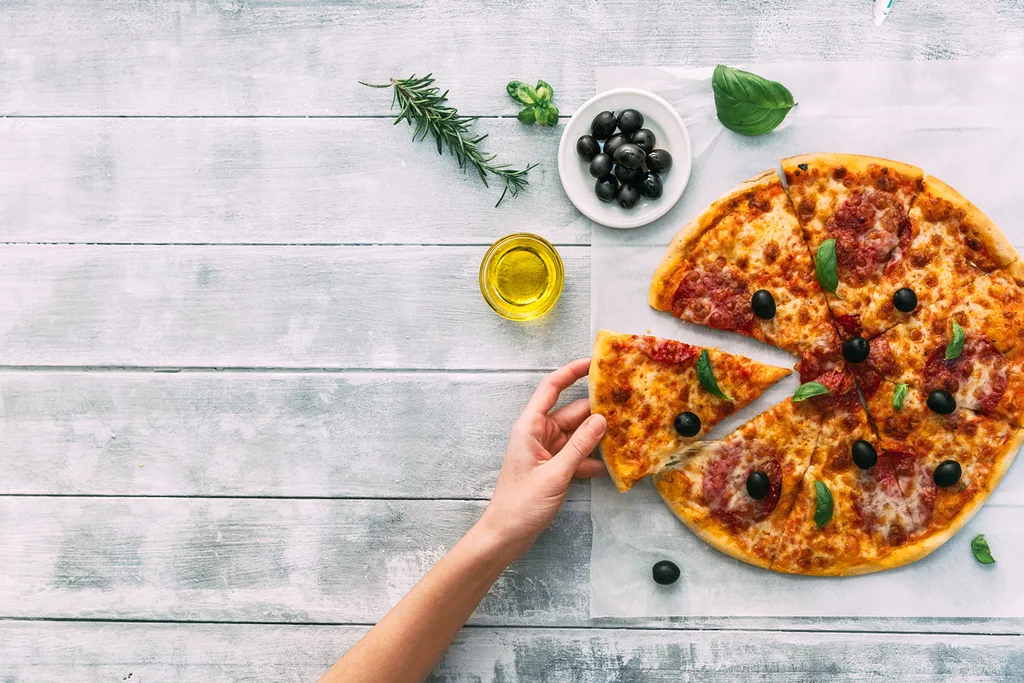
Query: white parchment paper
(962,122)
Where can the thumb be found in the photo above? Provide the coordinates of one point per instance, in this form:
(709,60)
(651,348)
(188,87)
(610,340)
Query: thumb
(581,444)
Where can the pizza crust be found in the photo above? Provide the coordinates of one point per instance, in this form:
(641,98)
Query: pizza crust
(1016,271)
(660,298)
(593,377)
(995,243)
(857,163)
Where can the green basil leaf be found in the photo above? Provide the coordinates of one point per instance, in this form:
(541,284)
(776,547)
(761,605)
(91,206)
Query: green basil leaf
(513,90)
(528,115)
(522,92)
(825,266)
(707,376)
(810,389)
(748,103)
(956,346)
(898,394)
(823,510)
(544,93)
(552,115)
(979,546)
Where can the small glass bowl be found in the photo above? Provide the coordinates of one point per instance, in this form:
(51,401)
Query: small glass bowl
(521,276)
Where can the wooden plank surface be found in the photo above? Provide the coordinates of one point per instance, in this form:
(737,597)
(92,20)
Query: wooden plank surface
(311,307)
(221,57)
(281,181)
(308,561)
(374,434)
(70,178)
(344,561)
(199,653)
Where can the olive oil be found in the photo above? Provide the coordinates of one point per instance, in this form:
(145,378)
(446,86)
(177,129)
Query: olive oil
(521,276)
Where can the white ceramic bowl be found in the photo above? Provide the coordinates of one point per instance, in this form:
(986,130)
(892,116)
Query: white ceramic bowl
(668,128)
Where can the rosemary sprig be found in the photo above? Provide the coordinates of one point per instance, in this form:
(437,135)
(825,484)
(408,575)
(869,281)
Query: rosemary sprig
(420,101)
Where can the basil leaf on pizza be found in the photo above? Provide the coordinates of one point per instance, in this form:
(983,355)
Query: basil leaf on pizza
(823,509)
(809,390)
(956,346)
(748,103)
(707,376)
(825,266)
(898,394)
(979,546)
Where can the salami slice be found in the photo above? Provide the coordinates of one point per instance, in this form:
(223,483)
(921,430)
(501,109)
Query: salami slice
(725,485)
(977,378)
(716,295)
(666,351)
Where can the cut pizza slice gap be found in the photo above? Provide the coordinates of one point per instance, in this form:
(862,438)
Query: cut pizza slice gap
(742,266)
(952,243)
(737,493)
(969,345)
(946,465)
(654,394)
(854,213)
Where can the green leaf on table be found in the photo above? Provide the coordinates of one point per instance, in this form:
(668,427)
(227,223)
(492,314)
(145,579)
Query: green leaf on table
(956,346)
(550,116)
(823,510)
(979,546)
(809,390)
(898,394)
(544,93)
(825,266)
(528,115)
(521,92)
(707,376)
(748,103)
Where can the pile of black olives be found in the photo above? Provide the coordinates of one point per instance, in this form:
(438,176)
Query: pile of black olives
(623,158)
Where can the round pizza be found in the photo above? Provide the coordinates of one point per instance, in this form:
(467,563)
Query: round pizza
(904,306)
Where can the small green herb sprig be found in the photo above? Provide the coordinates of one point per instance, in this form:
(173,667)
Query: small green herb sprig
(956,345)
(823,506)
(419,100)
(810,390)
(706,375)
(982,553)
(537,101)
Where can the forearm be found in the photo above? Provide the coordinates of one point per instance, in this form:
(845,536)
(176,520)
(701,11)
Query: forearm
(409,641)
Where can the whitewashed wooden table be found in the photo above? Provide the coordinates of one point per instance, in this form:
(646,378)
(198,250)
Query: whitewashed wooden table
(250,391)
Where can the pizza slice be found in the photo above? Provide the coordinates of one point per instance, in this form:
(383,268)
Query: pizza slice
(952,243)
(742,266)
(849,512)
(968,348)
(946,465)
(653,393)
(736,494)
(854,213)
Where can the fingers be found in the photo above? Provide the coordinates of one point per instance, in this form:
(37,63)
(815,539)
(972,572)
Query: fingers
(580,445)
(590,468)
(546,395)
(571,416)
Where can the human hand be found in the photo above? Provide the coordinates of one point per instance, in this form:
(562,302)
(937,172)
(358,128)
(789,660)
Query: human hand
(545,451)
